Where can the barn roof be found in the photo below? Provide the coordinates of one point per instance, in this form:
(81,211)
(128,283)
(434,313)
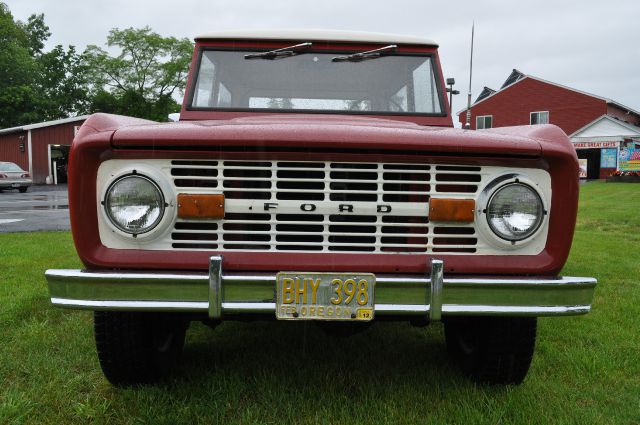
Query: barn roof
(486,92)
(516,76)
(43,124)
(606,126)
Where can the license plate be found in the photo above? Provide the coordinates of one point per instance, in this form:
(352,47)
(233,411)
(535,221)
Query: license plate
(325,296)
(15,184)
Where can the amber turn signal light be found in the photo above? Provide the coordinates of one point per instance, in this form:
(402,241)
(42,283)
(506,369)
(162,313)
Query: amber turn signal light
(200,206)
(458,210)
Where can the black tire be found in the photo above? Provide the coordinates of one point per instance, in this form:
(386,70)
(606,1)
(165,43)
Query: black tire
(138,348)
(23,189)
(494,350)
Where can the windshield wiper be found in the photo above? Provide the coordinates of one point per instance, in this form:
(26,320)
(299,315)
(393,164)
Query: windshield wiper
(280,53)
(362,56)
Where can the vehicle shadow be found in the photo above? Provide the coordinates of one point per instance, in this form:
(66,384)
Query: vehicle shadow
(293,372)
(289,356)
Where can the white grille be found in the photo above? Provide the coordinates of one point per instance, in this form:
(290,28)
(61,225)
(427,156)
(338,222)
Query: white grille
(325,206)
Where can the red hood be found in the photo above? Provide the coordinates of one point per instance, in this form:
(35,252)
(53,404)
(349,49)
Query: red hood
(315,132)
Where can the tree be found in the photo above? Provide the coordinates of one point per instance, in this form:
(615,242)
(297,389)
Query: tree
(144,78)
(36,85)
(280,103)
(37,33)
(356,105)
(17,68)
(63,83)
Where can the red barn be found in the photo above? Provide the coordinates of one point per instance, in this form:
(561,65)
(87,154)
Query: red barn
(528,100)
(41,148)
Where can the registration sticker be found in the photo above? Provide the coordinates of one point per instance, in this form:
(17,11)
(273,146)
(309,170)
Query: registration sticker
(325,296)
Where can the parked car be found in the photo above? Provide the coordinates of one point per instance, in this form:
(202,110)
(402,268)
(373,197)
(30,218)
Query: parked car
(14,177)
(316,175)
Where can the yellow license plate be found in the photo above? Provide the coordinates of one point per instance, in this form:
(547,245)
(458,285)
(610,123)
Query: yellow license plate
(325,296)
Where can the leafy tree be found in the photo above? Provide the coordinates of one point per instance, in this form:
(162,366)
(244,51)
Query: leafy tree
(63,82)
(144,78)
(280,103)
(356,105)
(17,68)
(286,103)
(37,33)
(36,85)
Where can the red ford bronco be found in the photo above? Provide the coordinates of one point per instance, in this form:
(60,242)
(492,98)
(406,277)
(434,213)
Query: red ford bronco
(315,175)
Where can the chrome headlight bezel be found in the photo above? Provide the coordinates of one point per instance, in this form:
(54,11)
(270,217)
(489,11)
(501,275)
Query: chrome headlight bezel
(109,214)
(487,195)
(538,221)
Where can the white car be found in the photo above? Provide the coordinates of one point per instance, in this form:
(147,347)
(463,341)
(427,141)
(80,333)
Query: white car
(14,177)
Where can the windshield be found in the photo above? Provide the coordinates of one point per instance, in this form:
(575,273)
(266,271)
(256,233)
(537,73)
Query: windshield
(311,81)
(10,167)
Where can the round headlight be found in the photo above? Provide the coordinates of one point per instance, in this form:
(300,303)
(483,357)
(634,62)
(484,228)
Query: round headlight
(134,204)
(515,212)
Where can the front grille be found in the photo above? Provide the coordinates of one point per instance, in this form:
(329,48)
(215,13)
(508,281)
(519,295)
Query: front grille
(325,206)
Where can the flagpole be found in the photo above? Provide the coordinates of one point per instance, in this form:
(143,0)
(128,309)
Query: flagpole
(467,124)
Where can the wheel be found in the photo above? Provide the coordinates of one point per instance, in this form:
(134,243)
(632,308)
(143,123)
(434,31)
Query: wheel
(495,350)
(138,348)
(23,189)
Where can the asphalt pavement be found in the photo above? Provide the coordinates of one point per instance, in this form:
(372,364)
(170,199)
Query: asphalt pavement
(40,208)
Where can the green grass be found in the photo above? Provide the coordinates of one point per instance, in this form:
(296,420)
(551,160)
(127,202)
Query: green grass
(586,369)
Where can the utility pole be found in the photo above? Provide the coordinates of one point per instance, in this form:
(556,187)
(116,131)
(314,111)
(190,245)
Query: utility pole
(467,124)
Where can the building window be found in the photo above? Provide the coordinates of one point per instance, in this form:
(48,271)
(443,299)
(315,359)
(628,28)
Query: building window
(540,117)
(484,121)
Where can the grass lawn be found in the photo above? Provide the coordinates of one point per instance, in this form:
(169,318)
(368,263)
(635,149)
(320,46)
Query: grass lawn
(586,369)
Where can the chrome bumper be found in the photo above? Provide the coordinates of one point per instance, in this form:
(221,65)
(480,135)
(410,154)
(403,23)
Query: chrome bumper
(13,184)
(218,294)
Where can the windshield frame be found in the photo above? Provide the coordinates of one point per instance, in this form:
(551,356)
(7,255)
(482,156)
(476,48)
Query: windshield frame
(314,49)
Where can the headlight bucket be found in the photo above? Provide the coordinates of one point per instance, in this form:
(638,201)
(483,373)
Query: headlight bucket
(134,204)
(515,211)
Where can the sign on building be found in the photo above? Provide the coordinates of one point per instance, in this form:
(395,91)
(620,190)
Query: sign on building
(629,159)
(595,145)
(584,166)
(608,158)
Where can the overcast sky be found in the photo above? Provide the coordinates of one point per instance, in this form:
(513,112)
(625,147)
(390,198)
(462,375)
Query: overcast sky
(590,45)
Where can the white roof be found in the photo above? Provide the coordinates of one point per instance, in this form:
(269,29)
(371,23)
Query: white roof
(606,126)
(318,35)
(43,124)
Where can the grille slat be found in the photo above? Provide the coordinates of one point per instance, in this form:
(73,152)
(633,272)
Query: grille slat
(326,244)
(251,188)
(302,232)
(307,223)
(341,207)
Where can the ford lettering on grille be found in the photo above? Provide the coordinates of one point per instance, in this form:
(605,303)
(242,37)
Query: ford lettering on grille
(325,206)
